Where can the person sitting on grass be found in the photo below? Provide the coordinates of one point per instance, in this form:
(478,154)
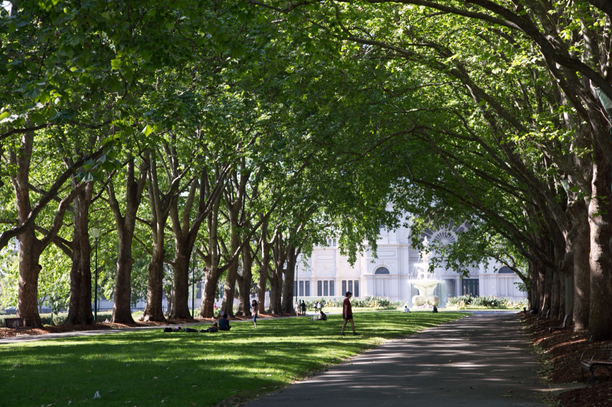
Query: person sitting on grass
(224,323)
(322,316)
(213,328)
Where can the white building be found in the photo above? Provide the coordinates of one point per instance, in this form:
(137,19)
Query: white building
(391,274)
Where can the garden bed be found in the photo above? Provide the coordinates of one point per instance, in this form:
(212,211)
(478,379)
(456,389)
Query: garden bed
(559,352)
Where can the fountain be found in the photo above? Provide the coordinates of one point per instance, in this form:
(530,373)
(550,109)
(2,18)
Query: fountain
(425,283)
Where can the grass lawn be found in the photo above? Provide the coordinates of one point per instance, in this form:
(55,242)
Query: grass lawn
(151,368)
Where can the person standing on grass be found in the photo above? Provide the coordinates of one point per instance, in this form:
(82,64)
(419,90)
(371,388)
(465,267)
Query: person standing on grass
(254,306)
(347,313)
(303,307)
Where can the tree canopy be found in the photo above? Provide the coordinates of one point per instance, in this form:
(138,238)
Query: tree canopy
(243,133)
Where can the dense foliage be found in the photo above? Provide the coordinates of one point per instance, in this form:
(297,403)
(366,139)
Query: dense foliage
(236,135)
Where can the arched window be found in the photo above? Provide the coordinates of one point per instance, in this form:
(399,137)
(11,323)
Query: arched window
(382,270)
(505,269)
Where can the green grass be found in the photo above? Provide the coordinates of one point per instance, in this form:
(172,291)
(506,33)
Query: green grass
(148,368)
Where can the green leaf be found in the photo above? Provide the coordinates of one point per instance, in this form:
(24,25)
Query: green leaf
(237,50)
(148,130)
(116,64)
(88,164)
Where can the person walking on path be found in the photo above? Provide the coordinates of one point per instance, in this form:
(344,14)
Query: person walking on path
(347,313)
(254,306)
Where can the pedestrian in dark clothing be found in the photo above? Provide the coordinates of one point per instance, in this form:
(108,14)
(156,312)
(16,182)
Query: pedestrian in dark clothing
(303,307)
(347,313)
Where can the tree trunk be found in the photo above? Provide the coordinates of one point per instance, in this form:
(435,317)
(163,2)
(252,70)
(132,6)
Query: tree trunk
(79,311)
(533,293)
(155,284)
(229,288)
(569,292)
(29,270)
(555,292)
(211,260)
(122,306)
(180,285)
(582,269)
(263,270)
(562,297)
(567,272)
(232,271)
(169,296)
(543,286)
(600,220)
(208,293)
(288,282)
(245,281)
(276,287)
(186,229)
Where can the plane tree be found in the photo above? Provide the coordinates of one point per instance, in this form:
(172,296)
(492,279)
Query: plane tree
(414,37)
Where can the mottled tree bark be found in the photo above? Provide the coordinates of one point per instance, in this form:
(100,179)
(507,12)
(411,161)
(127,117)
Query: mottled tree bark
(287,303)
(212,271)
(245,281)
(276,288)
(186,230)
(555,298)
(125,223)
(229,288)
(160,208)
(79,311)
(208,293)
(600,220)
(581,247)
(263,269)
(180,286)
(30,247)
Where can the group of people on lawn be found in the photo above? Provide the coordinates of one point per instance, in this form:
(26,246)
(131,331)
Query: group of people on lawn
(223,323)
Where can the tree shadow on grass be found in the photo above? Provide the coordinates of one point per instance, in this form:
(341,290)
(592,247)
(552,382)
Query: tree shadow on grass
(201,368)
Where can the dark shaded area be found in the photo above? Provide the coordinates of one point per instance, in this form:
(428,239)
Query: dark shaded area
(560,351)
(482,360)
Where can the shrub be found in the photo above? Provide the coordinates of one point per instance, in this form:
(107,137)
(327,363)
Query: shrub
(367,302)
(486,301)
(460,301)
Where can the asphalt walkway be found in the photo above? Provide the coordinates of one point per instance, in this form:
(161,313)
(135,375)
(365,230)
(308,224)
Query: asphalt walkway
(480,360)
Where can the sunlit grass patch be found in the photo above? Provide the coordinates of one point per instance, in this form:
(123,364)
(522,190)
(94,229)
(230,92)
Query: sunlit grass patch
(147,367)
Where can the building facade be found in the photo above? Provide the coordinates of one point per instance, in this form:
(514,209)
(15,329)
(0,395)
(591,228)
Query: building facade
(392,274)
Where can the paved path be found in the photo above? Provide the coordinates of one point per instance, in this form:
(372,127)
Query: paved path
(481,360)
